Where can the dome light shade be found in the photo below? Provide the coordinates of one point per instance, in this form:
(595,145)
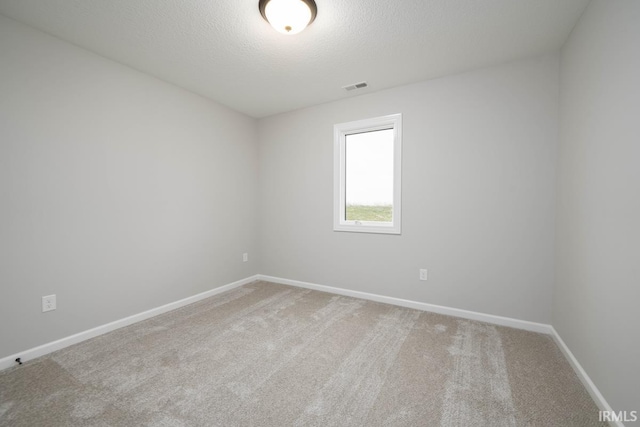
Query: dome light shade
(288,16)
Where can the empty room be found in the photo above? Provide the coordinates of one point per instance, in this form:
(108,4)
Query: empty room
(319,213)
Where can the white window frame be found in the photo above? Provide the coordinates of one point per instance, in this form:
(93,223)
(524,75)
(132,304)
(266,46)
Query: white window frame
(340,132)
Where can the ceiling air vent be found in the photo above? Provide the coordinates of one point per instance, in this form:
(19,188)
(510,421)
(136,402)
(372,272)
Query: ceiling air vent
(355,86)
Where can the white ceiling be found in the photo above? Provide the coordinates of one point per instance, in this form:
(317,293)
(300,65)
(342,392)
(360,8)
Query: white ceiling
(224,50)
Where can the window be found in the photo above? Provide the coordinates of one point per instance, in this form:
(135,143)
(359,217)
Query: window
(367,162)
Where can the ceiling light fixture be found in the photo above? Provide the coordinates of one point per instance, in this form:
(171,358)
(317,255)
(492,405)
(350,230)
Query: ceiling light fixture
(288,16)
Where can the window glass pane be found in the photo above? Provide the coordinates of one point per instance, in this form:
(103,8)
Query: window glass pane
(369,176)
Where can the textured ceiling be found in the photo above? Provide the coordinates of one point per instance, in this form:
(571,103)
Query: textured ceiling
(224,50)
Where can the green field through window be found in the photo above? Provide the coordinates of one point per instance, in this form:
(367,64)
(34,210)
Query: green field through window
(369,213)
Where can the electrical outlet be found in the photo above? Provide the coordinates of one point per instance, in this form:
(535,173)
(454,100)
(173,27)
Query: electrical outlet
(48,303)
(423,274)
(245,257)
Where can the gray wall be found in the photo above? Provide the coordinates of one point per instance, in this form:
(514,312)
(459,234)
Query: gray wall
(478,193)
(598,268)
(118,192)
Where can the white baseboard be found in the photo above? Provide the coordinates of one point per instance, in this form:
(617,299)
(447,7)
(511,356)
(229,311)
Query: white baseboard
(41,350)
(465,314)
(595,394)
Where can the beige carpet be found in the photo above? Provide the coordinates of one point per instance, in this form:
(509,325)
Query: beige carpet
(273,355)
